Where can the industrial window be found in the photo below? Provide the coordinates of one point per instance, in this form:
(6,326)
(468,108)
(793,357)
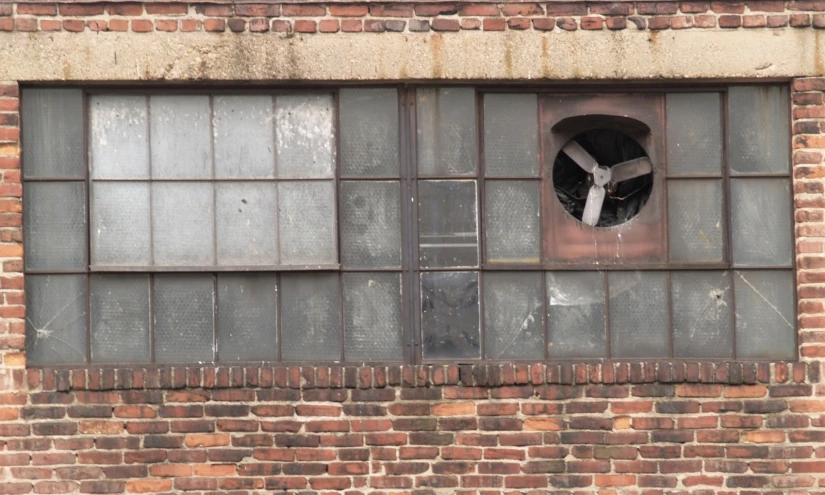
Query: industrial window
(398,224)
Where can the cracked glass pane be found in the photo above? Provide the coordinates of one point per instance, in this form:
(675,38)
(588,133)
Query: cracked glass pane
(246,223)
(52,128)
(306,222)
(372,317)
(244,136)
(759,120)
(184,318)
(55,319)
(247,316)
(761,222)
(450,315)
(304,136)
(513,226)
(576,316)
(183,223)
(119,136)
(54,214)
(447,223)
(694,133)
(446,141)
(370,224)
(310,317)
(513,320)
(181,136)
(695,227)
(369,132)
(511,135)
(638,314)
(120,223)
(701,314)
(765,321)
(120,319)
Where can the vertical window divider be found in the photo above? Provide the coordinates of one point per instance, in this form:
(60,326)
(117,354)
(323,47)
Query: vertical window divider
(336,105)
(607,336)
(481,183)
(215,356)
(409,198)
(728,220)
(88,190)
(151,187)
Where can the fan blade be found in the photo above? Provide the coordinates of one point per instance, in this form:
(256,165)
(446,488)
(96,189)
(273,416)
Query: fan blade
(630,169)
(593,207)
(580,156)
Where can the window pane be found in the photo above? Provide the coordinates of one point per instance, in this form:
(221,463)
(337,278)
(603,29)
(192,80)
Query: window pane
(759,135)
(513,227)
(182,223)
(765,321)
(311,317)
(55,319)
(576,316)
(450,315)
(120,223)
(369,132)
(446,131)
(761,222)
(246,223)
(54,214)
(181,136)
(372,317)
(638,314)
(119,137)
(52,133)
(370,224)
(694,133)
(701,314)
(120,319)
(511,135)
(304,137)
(695,228)
(306,222)
(447,223)
(247,317)
(184,318)
(244,136)
(513,320)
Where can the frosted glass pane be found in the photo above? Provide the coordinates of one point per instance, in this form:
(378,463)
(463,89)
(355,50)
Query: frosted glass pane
(576,316)
(55,319)
(450,315)
(119,136)
(761,222)
(513,319)
(369,132)
(311,317)
(638,314)
(52,132)
(247,317)
(446,137)
(447,223)
(306,222)
(181,136)
(183,223)
(184,318)
(765,316)
(701,314)
(513,225)
(54,214)
(370,224)
(696,230)
(304,136)
(244,136)
(372,317)
(120,319)
(120,223)
(694,133)
(246,223)
(511,134)
(759,120)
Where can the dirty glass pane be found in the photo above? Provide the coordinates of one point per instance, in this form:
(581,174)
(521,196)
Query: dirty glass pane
(119,137)
(246,223)
(372,317)
(450,315)
(761,222)
(54,214)
(576,316)
(184,318)
(306,222)
(370,224)
(369,132)
(304,136)
(120,223)
(447,223)
(513,320)
(446,137)
(311,317)
(244,136)
(702,303)
(120,319)
(638,314)
(694,133)
(511,135)
(513,227)
(696,230)
(765,317)
(759,117)
(55,319)
(247,316)
(183,223)
(52,132)
(181,136)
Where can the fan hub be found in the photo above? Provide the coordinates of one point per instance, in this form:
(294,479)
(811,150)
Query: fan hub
(601,176)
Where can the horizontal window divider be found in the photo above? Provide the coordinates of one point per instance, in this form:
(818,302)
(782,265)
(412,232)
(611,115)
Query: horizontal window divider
(207,269)
(54,179)
(767,267)
(350,269)
(782,175)
(512,177)
(610,267)
(694,177)
(448,177)
(56,272)
(382,177)
(211,179)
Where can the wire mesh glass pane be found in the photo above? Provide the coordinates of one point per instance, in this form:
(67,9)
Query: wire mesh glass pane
(54,214)
(183,223)
(450,315)
(446,137)
(119,136)
(576,315)
(246,223)
(447,223)
(120,223)
(513,227)
(304,136)
(511,135)
(513,315)
(369,132)
(372,317)
(52,133)
(694,133)
(244,136)
(181,136)
(702,302)
(55,319)
(761,222)
(765,316)
(759,120)
(306,222)
(247,316)
(184,318)
(696,230)
(120,319)
(370,224)
(638,314)
(310,317)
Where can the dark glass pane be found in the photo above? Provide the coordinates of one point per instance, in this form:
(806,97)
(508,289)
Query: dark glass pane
(52,133)
(447,223)
(513,319)
(759,120)
(450,315)
(576,316)
(311,317)
(119,136)
(370,224)
(54,214)
(184,318)
(701,314)
(244,136)
(638,315)
(183,223)
(181,136)
(694,133)
(120,319)
(695,226)
(369,132)
(55,319)
(247,317)
(513,227)
(761,222)
(765,316)
(304,136)
(306,222)
(511,135)
(372,317)
(246,223)
(446,137)
(120,223)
